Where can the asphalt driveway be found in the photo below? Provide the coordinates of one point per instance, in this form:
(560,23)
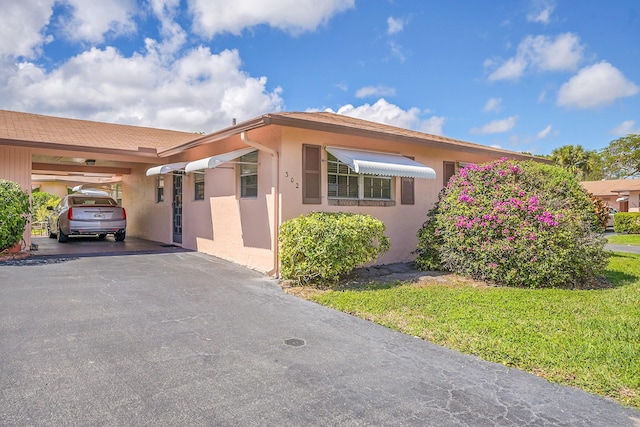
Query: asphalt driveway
(188,339)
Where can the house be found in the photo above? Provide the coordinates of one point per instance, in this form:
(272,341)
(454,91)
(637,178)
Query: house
(620,194)
(226,193)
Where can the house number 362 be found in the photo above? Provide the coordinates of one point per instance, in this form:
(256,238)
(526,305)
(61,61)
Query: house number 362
(291,179)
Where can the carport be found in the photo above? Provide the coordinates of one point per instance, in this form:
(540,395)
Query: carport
(55,154)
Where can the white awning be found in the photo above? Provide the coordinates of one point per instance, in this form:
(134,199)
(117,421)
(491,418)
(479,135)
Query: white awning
(375,163)
(162,169)
(622,199)
(214,161)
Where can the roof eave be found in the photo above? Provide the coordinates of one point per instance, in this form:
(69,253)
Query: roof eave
(140,152)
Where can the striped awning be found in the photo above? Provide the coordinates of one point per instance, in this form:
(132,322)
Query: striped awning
(214,161)
(386,164)
(162,169)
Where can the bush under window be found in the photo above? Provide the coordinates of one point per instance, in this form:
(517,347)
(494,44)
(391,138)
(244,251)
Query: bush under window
(320,247)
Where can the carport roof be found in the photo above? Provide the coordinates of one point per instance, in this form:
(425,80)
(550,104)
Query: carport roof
(35,130)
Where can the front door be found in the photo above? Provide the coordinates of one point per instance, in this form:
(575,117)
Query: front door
(177,208)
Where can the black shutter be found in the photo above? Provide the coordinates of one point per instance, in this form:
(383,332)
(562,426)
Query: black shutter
(407,192)
(311,178)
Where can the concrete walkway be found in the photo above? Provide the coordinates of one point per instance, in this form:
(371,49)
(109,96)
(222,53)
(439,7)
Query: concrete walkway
(623,248)
(187,339)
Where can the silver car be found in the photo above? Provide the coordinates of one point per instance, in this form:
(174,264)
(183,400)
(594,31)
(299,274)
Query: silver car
(87,214)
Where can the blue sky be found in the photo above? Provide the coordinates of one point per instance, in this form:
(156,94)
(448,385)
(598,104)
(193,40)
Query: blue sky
(524,75)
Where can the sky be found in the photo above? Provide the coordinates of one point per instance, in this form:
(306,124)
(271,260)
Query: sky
(523,75)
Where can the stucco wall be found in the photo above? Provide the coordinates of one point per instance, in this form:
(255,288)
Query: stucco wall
(230,227)
(146,218)
(402,221)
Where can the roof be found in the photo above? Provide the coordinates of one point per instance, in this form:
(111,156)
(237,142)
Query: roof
(338,123)
(35,130)
(611,187)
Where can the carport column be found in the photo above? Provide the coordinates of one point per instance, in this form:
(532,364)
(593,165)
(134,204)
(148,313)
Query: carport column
(276,198)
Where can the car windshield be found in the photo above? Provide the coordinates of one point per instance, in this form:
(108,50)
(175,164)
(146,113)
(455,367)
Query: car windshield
(90,201)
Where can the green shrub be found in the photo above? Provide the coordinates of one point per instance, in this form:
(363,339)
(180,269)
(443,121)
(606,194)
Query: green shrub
(516,224)
(320,247)
(14,213)
(41,200)
(626,222)
(601,209)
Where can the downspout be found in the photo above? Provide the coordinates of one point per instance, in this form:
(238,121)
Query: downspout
(276,199)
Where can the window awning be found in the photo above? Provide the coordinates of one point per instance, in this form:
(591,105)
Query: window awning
(375,163)
(214,161)
(622,199)
(162,169)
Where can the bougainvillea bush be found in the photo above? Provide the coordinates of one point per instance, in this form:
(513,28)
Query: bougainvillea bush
(14,213)
(516,224)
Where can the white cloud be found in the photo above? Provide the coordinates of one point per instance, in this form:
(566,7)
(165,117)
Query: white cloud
(394,25)
(496,126)
(625,128)
(369,91)
(541,11)
(21,26)
(544,132)
(199,91)
(541,53)
(398,51)
(91,20)
(390,114)
(234,16)
(596,86)
(493,104)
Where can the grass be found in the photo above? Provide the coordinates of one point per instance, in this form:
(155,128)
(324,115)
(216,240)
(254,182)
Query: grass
(584,338)
(625,239)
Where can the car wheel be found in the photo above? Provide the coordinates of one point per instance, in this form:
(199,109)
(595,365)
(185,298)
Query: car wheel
(62,238)
(120,235)
(101,236)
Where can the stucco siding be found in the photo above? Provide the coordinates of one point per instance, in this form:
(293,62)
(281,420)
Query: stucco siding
(402,221)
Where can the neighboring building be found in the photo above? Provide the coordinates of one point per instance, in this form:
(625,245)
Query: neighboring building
(226,193)
(621,194)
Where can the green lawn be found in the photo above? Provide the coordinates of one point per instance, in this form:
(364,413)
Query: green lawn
(625,239)
(585,338)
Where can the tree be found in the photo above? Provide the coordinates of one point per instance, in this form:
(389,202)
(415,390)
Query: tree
(585,165)
(622,157)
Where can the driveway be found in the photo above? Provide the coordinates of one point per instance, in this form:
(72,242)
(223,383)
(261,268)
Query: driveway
(188,339)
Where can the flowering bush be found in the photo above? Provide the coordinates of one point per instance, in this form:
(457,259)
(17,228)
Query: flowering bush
(321,246)
(516,224)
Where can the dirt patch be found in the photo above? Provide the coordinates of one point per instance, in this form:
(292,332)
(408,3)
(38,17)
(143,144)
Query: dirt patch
(385,274)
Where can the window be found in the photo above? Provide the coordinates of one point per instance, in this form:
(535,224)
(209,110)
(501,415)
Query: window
(345,183)
(311,161)
(198,185)
(249,175)
(160,189)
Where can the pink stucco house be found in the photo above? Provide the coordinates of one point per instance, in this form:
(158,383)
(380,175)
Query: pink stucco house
(620,194)
(226,193)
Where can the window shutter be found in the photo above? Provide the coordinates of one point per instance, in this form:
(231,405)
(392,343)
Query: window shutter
(407,191)
(311,177)
(448,170)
